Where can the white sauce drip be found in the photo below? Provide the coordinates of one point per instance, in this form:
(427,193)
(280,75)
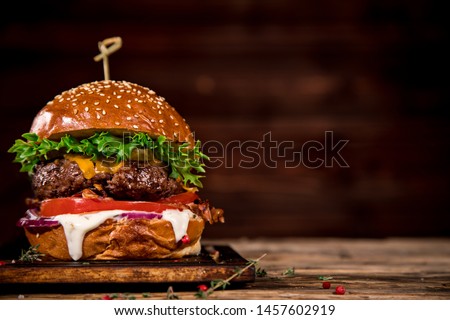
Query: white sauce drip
(77,225)
(179,220)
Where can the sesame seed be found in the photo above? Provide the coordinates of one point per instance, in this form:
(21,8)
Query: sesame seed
(116,106)
(86,109)
(128,106)
(135,126)
(103,112)
(98,109)
(152,120)
(117,123)
(96,103)
(107,100)
(118,97)
(61,100)
(84,102)
(159,111)
(161,121)
(74,104)
(98,116)
(128,118)
(129,101)
(75,111)
(136,116)
(176,124)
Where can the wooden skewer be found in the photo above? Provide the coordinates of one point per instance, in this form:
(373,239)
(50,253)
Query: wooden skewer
(107,47)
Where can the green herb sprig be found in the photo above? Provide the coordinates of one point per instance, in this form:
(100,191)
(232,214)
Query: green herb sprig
(185,161)
(289,272)
(31,255)
(222,284)
(170,295)
(260,272)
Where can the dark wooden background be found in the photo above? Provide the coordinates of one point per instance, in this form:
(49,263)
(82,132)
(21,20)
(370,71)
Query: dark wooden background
(375,73)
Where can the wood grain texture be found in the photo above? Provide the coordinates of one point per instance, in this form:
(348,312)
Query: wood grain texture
(413,268)
(203,267)
(372,72)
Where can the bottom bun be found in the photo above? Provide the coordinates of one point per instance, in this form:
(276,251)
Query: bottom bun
(126,239)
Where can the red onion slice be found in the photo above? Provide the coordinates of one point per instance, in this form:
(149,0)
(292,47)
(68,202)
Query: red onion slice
(36,223)
(32,220)
(140,215)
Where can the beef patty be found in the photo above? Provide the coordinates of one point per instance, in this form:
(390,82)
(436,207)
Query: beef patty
(134,181)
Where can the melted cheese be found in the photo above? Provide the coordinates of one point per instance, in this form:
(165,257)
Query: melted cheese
(90,168)
(77,225)
(102,166)
(85,164)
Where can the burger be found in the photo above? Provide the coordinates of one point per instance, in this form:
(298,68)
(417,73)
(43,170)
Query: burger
(115,172)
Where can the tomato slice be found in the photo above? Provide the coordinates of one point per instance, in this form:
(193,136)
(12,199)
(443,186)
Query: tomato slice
(75,205)
(57,206)
(183,198)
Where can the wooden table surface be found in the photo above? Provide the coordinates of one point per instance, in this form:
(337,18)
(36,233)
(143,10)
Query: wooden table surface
(368,269)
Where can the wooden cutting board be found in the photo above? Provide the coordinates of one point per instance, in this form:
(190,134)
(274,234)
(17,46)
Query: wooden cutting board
(202,268)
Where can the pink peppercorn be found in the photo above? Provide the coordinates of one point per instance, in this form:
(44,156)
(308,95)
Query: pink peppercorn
(340,290)
(185,239)
(202,287)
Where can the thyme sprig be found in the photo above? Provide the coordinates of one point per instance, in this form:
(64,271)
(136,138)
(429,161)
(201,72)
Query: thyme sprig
(260,272)
(222,284)
(170,295)
(185,161)
(31,255)
(289,272)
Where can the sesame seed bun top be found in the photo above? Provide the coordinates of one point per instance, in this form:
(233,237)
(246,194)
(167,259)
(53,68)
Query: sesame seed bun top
(112,106)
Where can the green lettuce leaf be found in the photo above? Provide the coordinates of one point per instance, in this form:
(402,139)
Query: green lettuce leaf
(185,162)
